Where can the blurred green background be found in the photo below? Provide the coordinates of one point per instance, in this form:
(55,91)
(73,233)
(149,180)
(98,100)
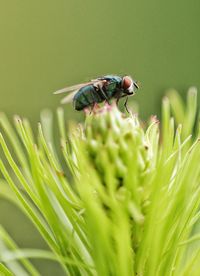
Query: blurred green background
(46,45)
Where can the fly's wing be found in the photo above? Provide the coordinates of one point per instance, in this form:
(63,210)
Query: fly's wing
(69,97)
(72,88)
(75,88)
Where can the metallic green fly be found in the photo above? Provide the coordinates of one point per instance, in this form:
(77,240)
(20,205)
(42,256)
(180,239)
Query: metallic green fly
(98,90)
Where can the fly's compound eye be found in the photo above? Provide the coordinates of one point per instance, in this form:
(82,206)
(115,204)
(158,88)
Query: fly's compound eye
(127,83)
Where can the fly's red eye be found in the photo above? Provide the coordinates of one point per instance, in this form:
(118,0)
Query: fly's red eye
(127,82)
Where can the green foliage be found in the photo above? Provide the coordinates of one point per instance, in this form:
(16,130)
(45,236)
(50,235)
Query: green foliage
(124,203)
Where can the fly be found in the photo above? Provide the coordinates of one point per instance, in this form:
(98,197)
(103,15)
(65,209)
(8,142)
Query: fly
(102,89)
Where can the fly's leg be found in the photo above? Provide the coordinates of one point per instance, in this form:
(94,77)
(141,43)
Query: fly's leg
(125,105)
(118,98)
(87,110)
(94,107)
(104,94)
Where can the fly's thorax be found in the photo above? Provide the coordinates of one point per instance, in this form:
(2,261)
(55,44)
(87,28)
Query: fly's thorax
(110,89)
(113,87)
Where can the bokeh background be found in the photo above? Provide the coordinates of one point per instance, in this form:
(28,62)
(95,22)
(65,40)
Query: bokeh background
(46,45)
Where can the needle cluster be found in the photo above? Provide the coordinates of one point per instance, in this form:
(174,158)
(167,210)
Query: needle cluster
(122,200)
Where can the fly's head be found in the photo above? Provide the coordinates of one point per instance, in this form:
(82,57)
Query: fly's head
(129,85)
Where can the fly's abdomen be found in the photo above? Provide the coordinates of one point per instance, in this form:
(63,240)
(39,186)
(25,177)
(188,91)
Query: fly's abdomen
(86,96)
